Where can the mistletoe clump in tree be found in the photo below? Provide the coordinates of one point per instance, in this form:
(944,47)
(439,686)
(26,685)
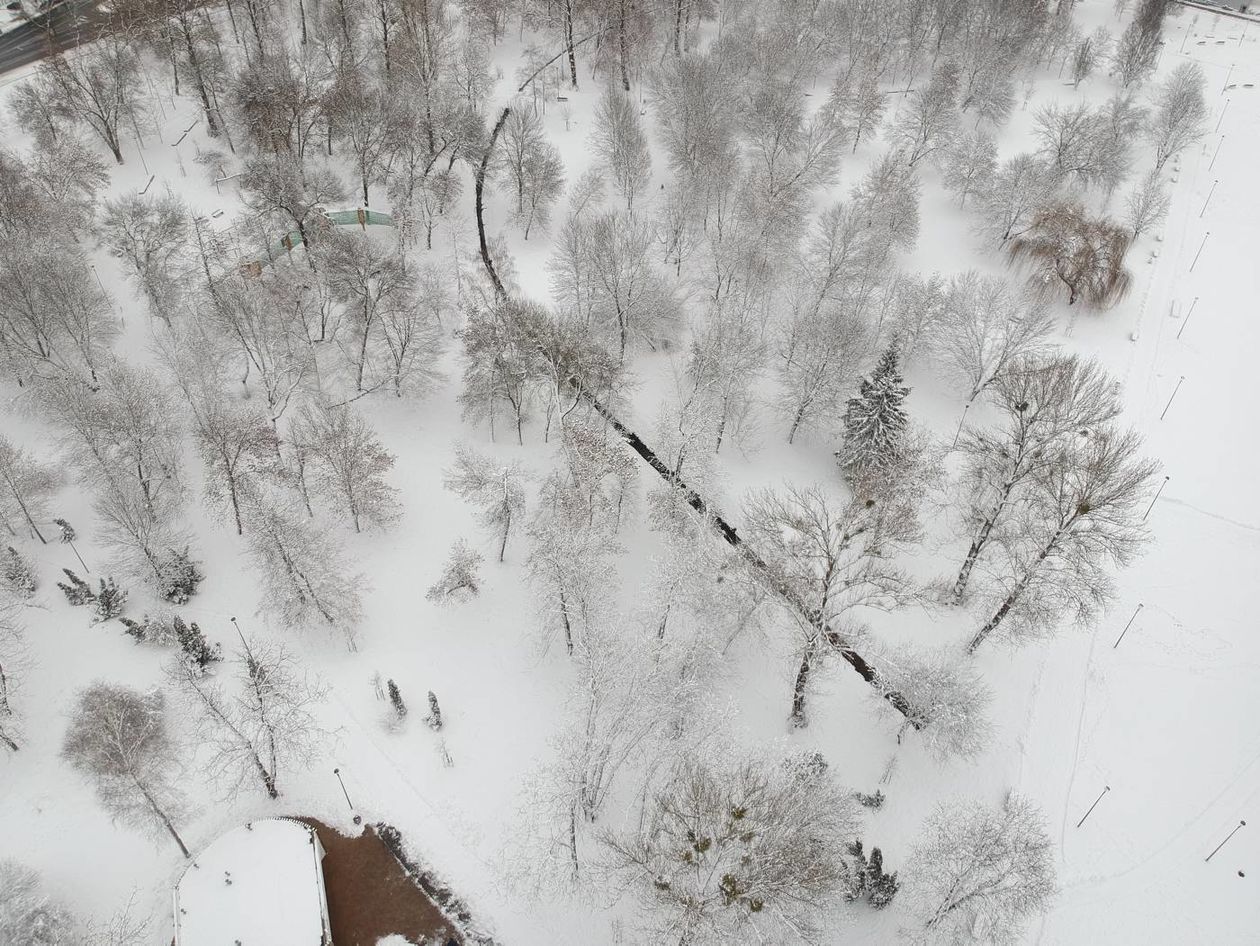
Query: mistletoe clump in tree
(875,424)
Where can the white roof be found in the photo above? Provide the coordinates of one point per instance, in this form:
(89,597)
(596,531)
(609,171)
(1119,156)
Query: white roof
(275,897)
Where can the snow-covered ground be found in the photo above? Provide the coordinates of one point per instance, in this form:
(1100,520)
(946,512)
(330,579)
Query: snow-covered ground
(1165,726)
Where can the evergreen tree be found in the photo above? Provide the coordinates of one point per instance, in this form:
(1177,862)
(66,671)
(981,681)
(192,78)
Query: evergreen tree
(197,650)
(109,601)
(880,887)
(434,719)
(395,697)
(78,592)
(875,422)
(180,577)
(16,574)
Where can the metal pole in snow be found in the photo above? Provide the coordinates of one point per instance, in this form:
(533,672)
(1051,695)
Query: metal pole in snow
(1222,118)
(1153,501)
(1201,245)
(337,772)
(1216,152)
(1105,790)
(1241,824)
(1126,627)
(1209,198)
(1187,318)
(1174,394)
(70,542)
(1227,75)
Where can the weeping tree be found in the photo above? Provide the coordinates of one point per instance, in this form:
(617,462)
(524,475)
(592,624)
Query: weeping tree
(1083,253)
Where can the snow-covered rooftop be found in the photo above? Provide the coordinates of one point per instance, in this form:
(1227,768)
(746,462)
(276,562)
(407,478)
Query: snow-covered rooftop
(261,884)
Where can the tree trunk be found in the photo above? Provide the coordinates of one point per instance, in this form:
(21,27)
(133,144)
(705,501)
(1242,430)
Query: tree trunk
(163,818)
(796,422)
(732,538)
(27,513)
(236,504)
(622,51)
(479,187)
(1016,593)
(799,687)
(568,41)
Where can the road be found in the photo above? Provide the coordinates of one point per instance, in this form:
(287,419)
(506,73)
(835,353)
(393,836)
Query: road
(65,26)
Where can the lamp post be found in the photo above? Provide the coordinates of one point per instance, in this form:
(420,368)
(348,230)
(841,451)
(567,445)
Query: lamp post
(337,772)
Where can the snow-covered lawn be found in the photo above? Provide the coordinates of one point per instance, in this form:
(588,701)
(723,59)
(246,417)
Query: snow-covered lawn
(1163,727)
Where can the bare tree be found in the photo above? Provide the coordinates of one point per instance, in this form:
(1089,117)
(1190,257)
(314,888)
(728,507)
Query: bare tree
(621,143)
(727,356)
(373,283)
(543,182)
(743,850)
(1020,187)
(989,327)
(820,354)
(97,85)
(117,738)
(55,320)
(603,271)
(832,558)
(497,490)
(1084,253)
(264,726)
(1180,113)
(1041,403)
(150,235)
(269,325)
(1092,52)
(26,485)
(697,113)
(930,115)
(864,107)
(237,444)
(1081,516)
(1138,49)
(289,196)
(368,118)
(13,658)
(970,160)
(947,698)
(1070,139)
(29,916)
(978,868)
(521,142)
(459,579)
(568,560)
(304,574)
(1146,205)
(350,463)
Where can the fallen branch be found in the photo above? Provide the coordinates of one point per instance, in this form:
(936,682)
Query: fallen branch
(775,582)
(480,188)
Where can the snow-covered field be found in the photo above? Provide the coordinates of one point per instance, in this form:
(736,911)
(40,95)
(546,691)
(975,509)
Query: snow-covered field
(1165,726)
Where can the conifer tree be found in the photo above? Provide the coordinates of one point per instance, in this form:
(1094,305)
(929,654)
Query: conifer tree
(395,698)
(108,601)
(16,574)
(78,592)
(875,422)
(434,719)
